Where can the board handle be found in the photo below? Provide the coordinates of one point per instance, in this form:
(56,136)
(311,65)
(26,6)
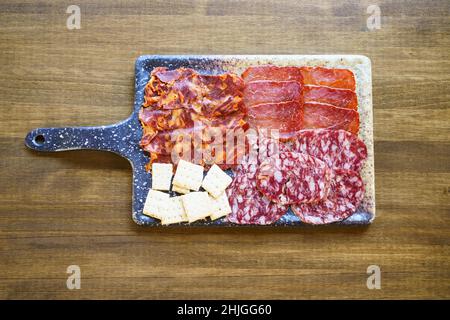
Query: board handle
(120,138)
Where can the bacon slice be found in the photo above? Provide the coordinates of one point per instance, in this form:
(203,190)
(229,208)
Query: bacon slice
(271,72)
(259,92)
(342,98)
(335,78)
(325,116)
(287,117)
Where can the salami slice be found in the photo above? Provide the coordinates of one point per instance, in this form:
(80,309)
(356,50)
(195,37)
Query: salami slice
(325,116)
(259,92)
(339,149)
(270,72)
(342,98)
(261,145)
(290,177)
(248,205)
(270,146)
(345,195)
(335,78)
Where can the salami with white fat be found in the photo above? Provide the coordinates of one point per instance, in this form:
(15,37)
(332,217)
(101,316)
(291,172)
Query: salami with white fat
(291,178)
(339,149)
(345,195)
(248,205)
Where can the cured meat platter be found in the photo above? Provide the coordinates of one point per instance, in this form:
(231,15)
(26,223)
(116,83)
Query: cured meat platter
(295,132)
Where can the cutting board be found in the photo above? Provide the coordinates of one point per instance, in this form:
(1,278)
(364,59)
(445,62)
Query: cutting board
(123,138)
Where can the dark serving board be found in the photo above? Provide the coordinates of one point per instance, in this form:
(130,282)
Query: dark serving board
(123,137)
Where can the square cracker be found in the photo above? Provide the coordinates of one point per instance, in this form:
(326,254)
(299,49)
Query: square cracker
(216,181)
(221,206)
(155,202)
(161,176)
(173,211)
(188,175)
(197,205)
(180,190)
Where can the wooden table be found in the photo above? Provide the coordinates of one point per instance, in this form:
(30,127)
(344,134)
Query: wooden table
(74,208)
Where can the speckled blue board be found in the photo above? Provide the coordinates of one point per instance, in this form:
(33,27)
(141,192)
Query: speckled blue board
(123,137)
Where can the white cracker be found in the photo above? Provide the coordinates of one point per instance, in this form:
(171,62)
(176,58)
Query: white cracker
(197,205)
(155,202)
(221,206)
(173,211)
(188,175)
(216,181)
(180,190)
(161,176)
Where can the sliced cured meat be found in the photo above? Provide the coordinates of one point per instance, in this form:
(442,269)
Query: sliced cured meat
(335,78)
(345,195)
(160,144)
(225,122)
(271,72)
(163,75)
(259,92)
(291,177)
(259,146)
(205,143)
(221,94)
(148,135)
(286,117)
(160,119)
(209,95)
(160,158)
(248,205)
(270,146)
(162,81)
(201,108)
(342,98)
(339,149)
(325,116)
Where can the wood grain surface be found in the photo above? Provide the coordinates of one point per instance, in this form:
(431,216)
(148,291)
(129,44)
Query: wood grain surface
(73,208)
